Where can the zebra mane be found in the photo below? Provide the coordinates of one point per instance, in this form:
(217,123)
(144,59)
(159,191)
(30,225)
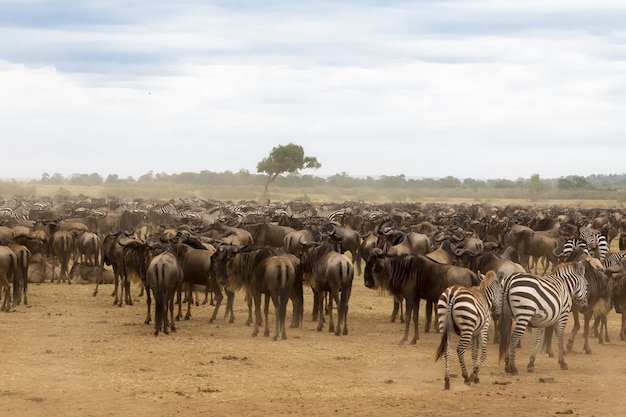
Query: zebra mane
(487,280)
(565,267)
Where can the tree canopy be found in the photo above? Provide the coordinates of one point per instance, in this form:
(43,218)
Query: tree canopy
(288,158)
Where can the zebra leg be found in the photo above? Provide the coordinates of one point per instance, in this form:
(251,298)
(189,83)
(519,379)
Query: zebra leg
(446,354)
(518,329)
(560,331)
(466,339)
(480,341)
(533,355)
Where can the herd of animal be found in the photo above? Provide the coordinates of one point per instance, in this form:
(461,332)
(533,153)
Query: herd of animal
(517,267)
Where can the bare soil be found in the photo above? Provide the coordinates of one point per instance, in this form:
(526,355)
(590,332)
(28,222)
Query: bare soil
(68,353)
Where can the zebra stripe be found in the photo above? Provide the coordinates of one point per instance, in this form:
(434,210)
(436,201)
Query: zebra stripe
(468,311)
(530,300)
(572,249)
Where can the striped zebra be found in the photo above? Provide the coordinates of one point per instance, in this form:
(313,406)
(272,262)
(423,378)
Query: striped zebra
(614,261)
(467,311)
(540,302)
(597,243)
(572,249)
(590,242)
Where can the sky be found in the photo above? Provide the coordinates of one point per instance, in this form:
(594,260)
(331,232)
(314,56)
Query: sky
(426,89)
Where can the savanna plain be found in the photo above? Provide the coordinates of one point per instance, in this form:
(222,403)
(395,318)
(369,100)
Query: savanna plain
(68,353)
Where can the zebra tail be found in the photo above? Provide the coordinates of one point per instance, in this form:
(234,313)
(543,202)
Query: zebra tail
(447,325)
(505,323)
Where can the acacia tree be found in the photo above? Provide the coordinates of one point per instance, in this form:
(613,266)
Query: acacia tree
(285,158)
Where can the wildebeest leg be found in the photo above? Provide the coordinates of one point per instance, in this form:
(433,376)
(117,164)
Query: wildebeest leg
(587,317)
(343,307)
(407,320)
(397,305)
(214,287)
(320,307)
(257,311)
(170,303)
(179,297)
(622,330)
(189,301)
(416,312)
(316,304)
(230,301)
(127,296)
(297,301)
(575,328)
(266,311)
(429,316)
(329,306)
(148,303)
(248,300)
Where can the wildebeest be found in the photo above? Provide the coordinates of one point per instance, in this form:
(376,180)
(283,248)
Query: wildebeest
(8,264)
(163,277)
(20,277)
(195,260)
(62,248)
(332,272)
(87,247)
(413,277)
(259,270)
(113,255)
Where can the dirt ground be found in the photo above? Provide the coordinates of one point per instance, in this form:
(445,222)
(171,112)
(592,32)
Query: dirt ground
(68,353)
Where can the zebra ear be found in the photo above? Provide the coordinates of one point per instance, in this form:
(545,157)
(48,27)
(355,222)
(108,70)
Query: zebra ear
(580,268)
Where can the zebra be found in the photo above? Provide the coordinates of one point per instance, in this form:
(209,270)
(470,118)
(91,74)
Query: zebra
(572,249)
(590,242)
(468,311)
(613,260)
(597,243)
(540,302)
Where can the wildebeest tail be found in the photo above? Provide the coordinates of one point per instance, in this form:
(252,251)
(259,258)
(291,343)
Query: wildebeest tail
(159,297)
(505,323)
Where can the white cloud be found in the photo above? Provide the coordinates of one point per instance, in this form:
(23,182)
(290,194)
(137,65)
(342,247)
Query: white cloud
(414,88)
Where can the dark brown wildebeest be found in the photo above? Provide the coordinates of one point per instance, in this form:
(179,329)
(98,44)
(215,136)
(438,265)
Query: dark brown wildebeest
(62,243)
(195,260)
(266,234)
(258,270)
(20,277)
(87,247)
(348,240)
(163,277)
(329,271)
(113,255)
(8,264)
(413,277)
